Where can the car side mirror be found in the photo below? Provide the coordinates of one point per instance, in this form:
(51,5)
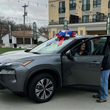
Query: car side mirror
(69,55)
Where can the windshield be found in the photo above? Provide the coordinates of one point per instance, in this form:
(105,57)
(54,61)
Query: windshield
(51,46)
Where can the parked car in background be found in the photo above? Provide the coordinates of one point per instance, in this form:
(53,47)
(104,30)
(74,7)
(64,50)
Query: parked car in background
(40,71)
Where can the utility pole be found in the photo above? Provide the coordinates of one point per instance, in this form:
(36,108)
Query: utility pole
(108,26)
(25,14)
(1,24)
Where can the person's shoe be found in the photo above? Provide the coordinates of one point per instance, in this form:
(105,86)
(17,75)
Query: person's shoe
(101,100)
(95,96)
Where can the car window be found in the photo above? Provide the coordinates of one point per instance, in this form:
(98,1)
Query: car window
(93,46)
(51,46)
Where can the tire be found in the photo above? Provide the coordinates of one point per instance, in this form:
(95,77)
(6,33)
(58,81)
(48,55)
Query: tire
(42,88)
(2,87)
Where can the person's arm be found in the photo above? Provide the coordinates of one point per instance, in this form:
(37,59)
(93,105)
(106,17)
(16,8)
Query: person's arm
(105,59)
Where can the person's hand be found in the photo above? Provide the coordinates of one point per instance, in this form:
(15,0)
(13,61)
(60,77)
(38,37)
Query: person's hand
(101,68)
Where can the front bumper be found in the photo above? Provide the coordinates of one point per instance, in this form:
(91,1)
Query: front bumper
(13,82)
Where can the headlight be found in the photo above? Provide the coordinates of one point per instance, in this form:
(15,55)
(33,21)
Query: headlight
(8,64)
(7,71)
(24,63)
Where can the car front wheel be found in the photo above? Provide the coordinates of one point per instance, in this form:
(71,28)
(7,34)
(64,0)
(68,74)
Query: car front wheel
(42,88)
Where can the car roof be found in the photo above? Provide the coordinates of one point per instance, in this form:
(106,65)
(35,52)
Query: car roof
(86,36)
(90,36)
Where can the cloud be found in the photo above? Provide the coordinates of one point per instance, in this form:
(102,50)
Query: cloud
(13,10)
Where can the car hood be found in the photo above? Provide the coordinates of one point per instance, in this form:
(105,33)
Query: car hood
(20,55)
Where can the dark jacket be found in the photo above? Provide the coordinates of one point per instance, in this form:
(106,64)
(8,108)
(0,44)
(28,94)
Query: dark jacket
(77,53)
(106,60)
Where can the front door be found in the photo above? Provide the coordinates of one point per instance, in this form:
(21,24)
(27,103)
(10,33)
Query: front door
(85,66)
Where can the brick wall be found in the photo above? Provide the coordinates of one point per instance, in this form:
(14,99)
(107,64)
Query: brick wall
(104,6)
(53,11)
(67,14)
(52,30)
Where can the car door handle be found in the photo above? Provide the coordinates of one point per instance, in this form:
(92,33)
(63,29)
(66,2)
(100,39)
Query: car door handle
(95,62)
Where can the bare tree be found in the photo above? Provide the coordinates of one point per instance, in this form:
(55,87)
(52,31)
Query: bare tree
(20,27)
(4,25)
(43,30)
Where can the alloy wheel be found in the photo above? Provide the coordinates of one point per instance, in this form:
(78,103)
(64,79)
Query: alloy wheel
(44,88)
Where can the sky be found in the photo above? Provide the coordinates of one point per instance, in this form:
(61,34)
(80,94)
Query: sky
(37,11)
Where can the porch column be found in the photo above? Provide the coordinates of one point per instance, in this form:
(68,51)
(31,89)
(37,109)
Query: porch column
(31,40)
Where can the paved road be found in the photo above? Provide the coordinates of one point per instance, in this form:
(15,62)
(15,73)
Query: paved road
(64,99)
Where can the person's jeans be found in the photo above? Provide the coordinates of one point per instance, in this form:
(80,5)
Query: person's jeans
(104,84)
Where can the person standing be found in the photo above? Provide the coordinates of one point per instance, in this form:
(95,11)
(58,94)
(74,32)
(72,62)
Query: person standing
(105,71)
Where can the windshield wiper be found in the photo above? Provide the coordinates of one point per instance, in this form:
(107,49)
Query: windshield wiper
(27,50)
(35,52)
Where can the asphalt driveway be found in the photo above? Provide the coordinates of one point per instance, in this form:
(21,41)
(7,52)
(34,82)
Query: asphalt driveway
(64,99)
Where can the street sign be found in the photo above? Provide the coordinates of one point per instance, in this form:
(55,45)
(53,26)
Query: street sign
(34,31)
(65,24)
(10,37)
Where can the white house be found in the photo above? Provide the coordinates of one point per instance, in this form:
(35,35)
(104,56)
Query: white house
(17,39)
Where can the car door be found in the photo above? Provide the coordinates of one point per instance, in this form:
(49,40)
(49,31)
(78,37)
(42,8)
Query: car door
(84,69)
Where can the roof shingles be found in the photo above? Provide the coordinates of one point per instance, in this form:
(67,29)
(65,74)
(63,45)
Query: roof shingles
(28,34)
(20,34)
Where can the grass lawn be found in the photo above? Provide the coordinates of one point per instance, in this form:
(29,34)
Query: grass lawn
(3,50)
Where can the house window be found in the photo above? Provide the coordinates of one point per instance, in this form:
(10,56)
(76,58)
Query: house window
(52,20)
(53,33)
(97,3)
(100,16)
(86,5)
(27,41)
(61,20)
(109,4)
(94,18)
(19,40)
(72,4)
(109,15)
(81,32)
(85,18)
(62,7)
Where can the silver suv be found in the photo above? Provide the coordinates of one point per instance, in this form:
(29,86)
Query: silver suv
(40,71)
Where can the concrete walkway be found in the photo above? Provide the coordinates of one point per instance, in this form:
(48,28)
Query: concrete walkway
(64,99)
